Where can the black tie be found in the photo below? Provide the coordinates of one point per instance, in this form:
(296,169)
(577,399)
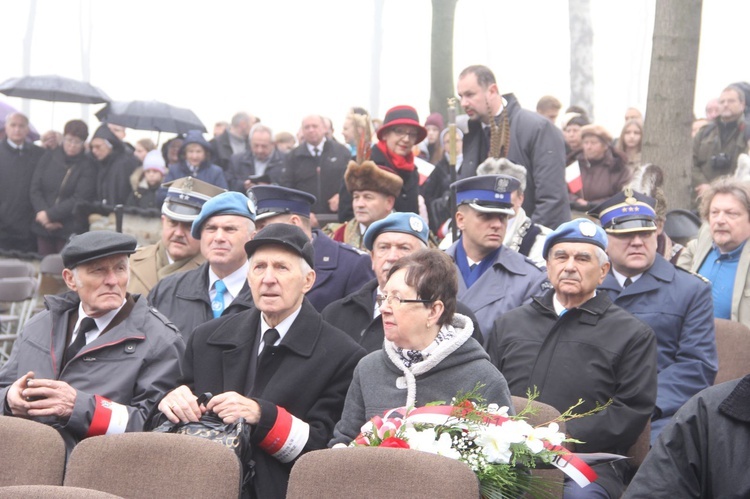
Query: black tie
(316,153)
(87,324)
(270,337)
(627,282)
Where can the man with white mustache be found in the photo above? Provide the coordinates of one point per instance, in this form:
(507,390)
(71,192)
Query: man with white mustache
(219,286)
(177,251)
(573,344)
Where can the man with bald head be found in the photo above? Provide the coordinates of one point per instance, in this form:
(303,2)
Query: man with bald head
(317,165)
(18,159)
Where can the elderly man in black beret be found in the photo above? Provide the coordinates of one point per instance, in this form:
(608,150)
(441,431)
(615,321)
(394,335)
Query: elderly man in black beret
(110,357)
(278,365)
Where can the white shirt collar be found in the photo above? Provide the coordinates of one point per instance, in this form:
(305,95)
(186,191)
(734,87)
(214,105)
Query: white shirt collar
(621,278)
(282,327)
(101,322)
(311,147)
(234,283)
(503,103)
(14,145)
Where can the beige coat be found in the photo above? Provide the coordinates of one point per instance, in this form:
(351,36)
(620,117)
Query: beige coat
(695,253)
(149,265)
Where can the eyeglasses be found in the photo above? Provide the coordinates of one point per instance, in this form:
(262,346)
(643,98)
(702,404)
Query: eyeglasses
(395,301)
(73,141)
(406,132)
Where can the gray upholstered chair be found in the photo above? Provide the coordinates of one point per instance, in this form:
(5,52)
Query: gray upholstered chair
(733,347)
(154,465)
(33,453)
(51,492)
(380,472)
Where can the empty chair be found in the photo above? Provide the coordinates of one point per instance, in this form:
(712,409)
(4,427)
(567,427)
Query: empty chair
(544,414)
(49,282)
(51,492)
(154,465)
(33,453)
(18,291)
(733,348)
(380,472)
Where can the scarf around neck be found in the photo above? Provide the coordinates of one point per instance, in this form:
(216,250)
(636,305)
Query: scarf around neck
(405,163)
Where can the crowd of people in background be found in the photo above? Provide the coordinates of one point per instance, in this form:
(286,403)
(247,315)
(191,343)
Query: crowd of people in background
(535,256)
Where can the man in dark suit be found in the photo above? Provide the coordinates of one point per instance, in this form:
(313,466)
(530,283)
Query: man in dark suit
(524,137)
(339,268)
(316,166)
(278,365)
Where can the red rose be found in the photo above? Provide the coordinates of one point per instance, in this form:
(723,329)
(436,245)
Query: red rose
(395,442)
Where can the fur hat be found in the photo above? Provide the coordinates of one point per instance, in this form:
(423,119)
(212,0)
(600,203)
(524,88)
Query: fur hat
(371,177)
(597,131)
(503,166)
(649,180)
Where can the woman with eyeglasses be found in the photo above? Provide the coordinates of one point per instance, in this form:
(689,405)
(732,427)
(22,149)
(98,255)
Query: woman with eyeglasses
(397,137)
(428,354)
(64,177)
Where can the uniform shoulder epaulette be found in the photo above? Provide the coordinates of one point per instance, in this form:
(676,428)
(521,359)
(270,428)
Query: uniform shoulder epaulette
(696,274)
(351,248)
(164,319)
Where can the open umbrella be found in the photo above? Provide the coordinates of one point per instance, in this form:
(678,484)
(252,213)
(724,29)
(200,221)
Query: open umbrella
(5,110)
(150,115)
(53,88)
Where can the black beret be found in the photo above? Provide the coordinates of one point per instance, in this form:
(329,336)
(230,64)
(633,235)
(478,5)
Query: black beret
(94,245)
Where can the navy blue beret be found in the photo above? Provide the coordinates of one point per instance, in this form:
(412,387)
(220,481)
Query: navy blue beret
(408,223)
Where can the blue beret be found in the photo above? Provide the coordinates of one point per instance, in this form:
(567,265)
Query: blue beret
(275,200)
(94,245)
(628,211)
(487,193)
(408,223)
(185,198)
(580,230)
(226,203)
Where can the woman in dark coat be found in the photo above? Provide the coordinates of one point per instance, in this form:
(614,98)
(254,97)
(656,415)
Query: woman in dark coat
(64,177)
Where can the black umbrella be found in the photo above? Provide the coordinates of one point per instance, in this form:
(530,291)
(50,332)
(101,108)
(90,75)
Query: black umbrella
(150,115)
(53,88)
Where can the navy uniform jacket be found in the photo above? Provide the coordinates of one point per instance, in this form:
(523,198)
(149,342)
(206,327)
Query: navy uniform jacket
(679,308)
(353,315)
(339,270)
(511,282)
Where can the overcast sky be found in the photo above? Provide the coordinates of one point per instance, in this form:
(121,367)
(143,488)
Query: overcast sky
(283,59)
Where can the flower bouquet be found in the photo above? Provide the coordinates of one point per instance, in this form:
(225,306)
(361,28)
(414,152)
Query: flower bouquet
(498,447)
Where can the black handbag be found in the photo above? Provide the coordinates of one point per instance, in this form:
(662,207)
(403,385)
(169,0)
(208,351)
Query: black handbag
(235,436)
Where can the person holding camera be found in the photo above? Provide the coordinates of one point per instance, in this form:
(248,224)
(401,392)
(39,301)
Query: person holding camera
(717,145)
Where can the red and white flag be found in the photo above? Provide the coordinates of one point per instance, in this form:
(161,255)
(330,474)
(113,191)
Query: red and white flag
(573,177)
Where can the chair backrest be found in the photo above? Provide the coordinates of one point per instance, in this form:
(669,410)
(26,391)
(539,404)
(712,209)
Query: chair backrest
(51,492)
(52,264)
(553,478)
(733,348)
(16,289)
(380,472)
(33,453)
(154,465)
(15,268)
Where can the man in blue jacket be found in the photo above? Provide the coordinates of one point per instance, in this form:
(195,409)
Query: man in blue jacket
(676,304)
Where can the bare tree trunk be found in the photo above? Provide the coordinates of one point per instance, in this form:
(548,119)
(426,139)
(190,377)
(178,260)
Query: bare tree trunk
(85,40)
(671,92)
(581,55)
(377,49)
(27,39)
(441,51)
